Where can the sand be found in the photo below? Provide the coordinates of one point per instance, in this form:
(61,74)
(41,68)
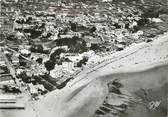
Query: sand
(142,66)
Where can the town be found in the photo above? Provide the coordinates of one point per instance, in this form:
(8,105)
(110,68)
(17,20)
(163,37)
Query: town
(45,43)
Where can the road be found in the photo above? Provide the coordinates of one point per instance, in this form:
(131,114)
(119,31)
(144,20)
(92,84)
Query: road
(142,66)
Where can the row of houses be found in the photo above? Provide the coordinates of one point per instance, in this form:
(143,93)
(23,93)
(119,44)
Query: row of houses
(6,25)
(12,6)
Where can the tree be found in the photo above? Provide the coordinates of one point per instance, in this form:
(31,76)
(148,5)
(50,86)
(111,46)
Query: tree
(82,62)
(56,54)
(11,37)
(73,26)
(39,60)
(40,48)
(93,29)
(95,47)
(49,65)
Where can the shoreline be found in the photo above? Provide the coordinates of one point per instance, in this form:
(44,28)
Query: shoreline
(119,56)
(145,56)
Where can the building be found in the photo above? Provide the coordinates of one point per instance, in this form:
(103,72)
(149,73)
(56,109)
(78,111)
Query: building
(75,59)
(6,25)
(37,1)
(68,67)
(9,7)
(2,61)
(57,71)
(0,6)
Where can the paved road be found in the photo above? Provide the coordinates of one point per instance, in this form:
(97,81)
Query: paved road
(146,63)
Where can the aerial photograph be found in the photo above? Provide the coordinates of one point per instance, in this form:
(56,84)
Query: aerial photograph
(83,58)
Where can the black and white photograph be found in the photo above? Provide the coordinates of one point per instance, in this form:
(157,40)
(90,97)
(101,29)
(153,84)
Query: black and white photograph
(83,58)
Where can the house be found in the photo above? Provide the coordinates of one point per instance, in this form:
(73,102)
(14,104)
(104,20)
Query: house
(6,25)
(15,60)
(75,59)
(32,89)
(2,61)
(89,54)
(68,66)
(66,36)
(57,71)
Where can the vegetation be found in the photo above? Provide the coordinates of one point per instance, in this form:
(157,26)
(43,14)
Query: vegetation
(10,89)
(75,44)
(82,62)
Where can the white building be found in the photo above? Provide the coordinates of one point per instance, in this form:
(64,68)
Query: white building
(75,59)
(107,0)
(57,71)
(68,67)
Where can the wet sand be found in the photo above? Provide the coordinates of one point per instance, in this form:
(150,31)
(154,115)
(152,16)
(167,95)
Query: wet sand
(142,109)
(145,67)
(138,69)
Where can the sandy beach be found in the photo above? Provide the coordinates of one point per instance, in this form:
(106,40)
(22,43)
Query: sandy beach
(143,66)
